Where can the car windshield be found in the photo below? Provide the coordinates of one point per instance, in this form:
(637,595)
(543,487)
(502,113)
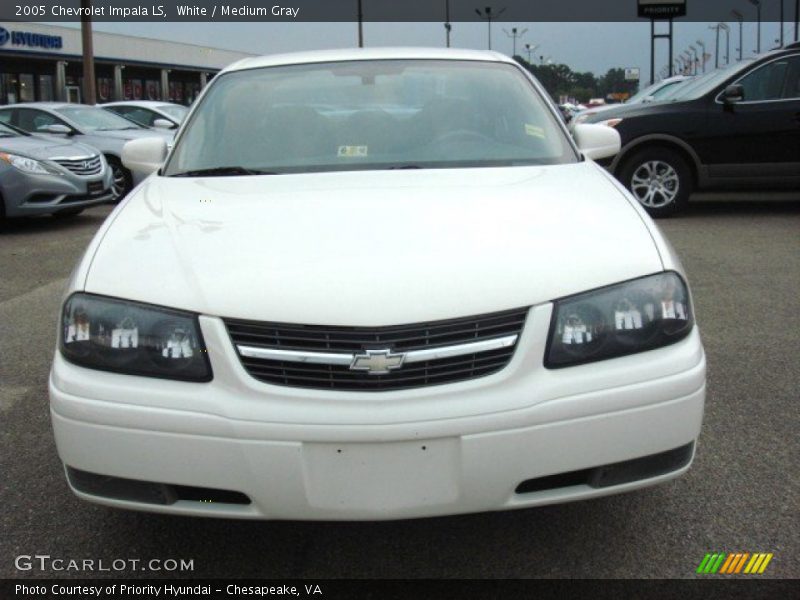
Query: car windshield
(96,119)
(176,111)
(370,115)
(701,86)
(645,92)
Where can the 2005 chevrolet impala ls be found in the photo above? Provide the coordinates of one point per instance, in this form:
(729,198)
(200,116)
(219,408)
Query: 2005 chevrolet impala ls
(375,284)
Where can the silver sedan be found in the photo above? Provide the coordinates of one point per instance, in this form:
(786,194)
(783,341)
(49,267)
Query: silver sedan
(45,176)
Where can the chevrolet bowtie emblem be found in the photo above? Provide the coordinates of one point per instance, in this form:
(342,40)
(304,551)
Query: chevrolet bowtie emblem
(377,362)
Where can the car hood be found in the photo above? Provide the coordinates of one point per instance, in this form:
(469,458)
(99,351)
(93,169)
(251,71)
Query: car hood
(369,248)
(44,148)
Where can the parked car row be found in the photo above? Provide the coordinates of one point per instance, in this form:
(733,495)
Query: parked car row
(59,158)
(737,128)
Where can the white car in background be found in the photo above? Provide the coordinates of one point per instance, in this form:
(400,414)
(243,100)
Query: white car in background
(88,125)
(149,113)
(359,313)
(649,94)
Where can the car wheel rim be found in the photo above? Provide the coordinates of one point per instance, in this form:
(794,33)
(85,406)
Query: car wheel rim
(118,186)
(655,184)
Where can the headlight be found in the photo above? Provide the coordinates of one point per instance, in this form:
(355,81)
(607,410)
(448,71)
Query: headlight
(136,339)
(28,165)
(630,317)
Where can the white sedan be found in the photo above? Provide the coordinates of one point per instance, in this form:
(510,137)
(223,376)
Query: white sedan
(375,284)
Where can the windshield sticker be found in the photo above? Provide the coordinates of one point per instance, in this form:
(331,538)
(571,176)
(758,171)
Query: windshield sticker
(534,130)
(352,151)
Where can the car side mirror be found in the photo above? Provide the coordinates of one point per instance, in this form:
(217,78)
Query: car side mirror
(163,124)
(57,128)
(733,93)
(597,141)
(145,155)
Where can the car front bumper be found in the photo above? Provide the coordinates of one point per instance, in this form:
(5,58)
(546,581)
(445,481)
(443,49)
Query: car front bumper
(27,194)
(297,454)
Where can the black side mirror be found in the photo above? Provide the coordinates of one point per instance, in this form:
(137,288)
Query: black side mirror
(733,94)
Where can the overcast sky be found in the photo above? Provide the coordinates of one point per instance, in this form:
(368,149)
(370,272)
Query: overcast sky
(593,47)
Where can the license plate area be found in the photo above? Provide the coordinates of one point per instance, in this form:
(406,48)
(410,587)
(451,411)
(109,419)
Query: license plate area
(378,477)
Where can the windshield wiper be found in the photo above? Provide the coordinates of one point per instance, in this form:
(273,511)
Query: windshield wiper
(222,172)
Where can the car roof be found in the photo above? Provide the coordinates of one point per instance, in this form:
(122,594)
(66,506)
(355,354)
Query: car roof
(45,105)
(351,54)
(142,103)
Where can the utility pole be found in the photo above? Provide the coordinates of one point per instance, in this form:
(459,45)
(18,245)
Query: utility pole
(488,15)
(360,26)
(739,17)
(89,81)
(716,53)
(514,35)
(796,19)
(447,25)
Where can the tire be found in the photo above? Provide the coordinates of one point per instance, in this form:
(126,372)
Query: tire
(659,178)
(123,181)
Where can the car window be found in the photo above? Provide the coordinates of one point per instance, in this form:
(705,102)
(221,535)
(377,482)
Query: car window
(175,111)
(92,118)
(371,115)
(768,82)
(135,113)
(34,120)
(5,116)
(661,92)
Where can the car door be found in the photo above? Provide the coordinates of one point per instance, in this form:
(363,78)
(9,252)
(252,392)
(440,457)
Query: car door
(756,141)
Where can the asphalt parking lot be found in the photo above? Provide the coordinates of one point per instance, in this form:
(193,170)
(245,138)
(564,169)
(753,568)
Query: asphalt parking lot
(742,495)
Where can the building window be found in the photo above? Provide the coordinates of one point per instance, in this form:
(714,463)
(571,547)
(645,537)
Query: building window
(153,89)
(27,92)
(45,88)
(104,88)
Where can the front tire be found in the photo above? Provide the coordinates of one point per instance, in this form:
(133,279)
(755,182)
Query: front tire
(123,181)
(660,179)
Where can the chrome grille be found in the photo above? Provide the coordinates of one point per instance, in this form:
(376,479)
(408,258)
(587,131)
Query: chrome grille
(334,344)
(90,165)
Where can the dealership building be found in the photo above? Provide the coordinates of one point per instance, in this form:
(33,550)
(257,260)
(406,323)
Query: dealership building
(41,62)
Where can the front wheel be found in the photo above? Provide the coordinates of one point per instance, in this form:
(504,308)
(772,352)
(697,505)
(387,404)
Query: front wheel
(660,179)
(123,181)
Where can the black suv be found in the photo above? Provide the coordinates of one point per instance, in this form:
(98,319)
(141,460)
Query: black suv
(737,128)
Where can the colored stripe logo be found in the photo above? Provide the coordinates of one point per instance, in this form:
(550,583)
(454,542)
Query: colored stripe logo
(734,563)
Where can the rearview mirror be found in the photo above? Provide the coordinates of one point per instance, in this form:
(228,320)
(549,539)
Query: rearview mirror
(163,124)
(145,155)
(732,94)
(597,141)
(57,128)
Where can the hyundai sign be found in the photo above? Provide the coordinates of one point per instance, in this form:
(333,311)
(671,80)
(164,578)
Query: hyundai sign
(30,40)
(662,9)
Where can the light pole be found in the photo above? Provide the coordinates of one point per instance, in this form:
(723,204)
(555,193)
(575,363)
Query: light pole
(716,52)
(739,17)
(702,45)
(530,49)
(727,31)
(447,25)
(489,15)
(781,3)
(514,35)
(757,4)
(694,50)
(360,26)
